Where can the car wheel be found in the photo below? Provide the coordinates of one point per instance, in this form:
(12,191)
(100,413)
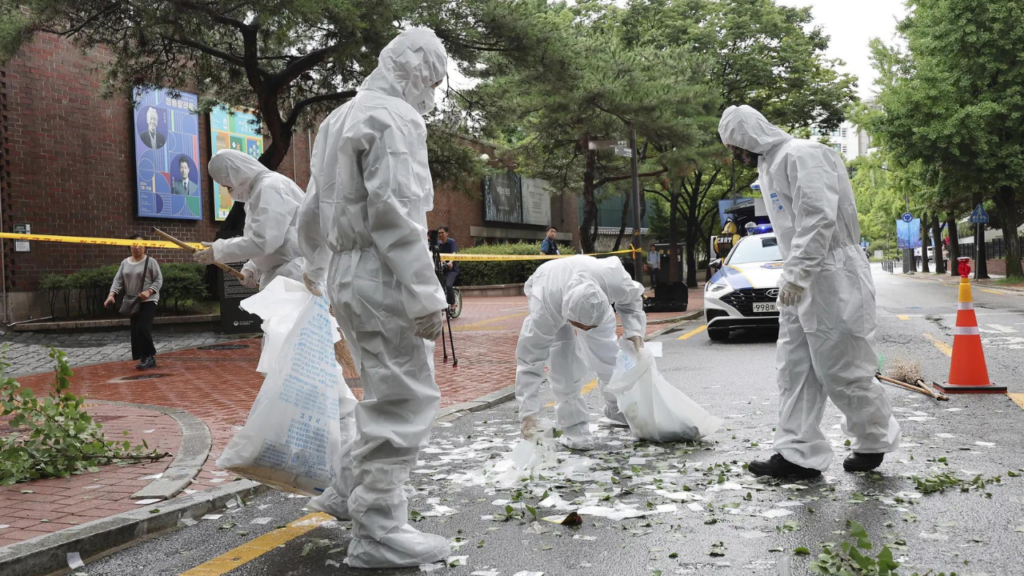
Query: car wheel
(718,334)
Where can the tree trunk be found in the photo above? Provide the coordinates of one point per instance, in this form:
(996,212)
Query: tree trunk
(924,243)
(940,262)
(622,227)
(693,232)
(1006,201)
(954,244)
(673,235)
(589,204)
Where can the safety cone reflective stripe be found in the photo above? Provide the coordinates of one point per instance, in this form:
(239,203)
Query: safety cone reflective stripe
(968,372)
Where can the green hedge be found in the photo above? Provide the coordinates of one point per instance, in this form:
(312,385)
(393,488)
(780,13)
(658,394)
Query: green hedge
(491,273)
(84,291)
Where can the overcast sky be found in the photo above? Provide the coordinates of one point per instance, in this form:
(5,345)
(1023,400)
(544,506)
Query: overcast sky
(851,24)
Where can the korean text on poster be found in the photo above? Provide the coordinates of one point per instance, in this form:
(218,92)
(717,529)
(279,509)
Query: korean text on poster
(168,183)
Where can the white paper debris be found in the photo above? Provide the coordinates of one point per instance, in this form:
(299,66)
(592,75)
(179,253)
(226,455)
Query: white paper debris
(485,573)
(187,522)
(986,444)
(152,476)
(944,435)
(148,501)
(525,573)
(261,521)
(695,507)
(212,517)
(149,431)
(75,561)
(333,563)
(432,567)
(775,513)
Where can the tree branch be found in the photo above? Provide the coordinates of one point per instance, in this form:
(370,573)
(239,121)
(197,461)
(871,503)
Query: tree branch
(215,15)
(299,66)
(237,61)
(610,179)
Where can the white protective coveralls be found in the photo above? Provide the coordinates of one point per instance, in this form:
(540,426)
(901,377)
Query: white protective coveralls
(826,345)
(581,289)
(269,242)
(364,224)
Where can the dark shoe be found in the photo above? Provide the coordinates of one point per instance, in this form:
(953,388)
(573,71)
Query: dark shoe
(779,467)
(141,365)
(149,363)
(862,462)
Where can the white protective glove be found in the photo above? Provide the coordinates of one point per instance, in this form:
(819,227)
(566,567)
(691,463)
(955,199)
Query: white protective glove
(529,427)
(790,294)
(429,327)
(311,286)
(205,257)
(249,279)
(638,342)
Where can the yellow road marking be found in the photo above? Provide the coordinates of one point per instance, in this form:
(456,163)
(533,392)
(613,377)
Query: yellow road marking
(903,317)
(255,548)
(476,325)
(942,346)
(1018,399)
(1000,292)
(586,390)
(693,332)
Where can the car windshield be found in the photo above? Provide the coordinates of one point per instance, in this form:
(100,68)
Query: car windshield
(756,249)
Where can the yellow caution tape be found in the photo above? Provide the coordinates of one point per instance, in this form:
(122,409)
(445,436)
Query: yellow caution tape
(166,244)
(502,258)
(95,241)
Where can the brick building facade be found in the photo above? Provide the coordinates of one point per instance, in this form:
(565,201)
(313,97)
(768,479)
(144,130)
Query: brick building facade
(67,167)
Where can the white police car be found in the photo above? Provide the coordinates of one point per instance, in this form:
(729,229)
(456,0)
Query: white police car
(744,289)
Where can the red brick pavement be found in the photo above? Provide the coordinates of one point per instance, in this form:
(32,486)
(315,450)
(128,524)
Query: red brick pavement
(31,509)
(219,386)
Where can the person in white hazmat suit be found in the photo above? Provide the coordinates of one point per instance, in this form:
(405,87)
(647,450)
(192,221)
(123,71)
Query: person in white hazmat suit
(363,225)
(826,347)
(269,241)
(571,327)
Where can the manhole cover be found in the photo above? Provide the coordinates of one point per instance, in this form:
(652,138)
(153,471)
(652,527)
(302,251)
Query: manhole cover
(141,377)
(223,347)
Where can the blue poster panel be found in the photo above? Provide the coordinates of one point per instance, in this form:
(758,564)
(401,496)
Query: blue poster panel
(167,177)
(908,234)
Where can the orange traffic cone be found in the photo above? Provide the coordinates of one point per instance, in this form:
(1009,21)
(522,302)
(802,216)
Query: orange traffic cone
(968,373)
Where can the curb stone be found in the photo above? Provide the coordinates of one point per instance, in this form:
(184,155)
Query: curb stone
(48,553)
(196,443)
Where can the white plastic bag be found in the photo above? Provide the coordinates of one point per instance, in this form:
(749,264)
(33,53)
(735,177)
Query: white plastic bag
(655,409)
(293,437)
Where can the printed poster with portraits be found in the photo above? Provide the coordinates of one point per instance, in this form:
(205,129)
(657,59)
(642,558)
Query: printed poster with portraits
(168,182)
(232,129)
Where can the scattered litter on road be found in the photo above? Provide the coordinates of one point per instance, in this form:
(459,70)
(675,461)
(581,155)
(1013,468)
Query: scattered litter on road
(152,476)
(775,513)
(432,567)
(212,517)
(260,521)
(147,501)
(75,561)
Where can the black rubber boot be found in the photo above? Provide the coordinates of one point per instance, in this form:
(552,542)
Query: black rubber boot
(862,462)
(779,467)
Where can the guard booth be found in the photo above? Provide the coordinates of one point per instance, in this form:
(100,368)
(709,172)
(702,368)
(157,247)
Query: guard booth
(669,297)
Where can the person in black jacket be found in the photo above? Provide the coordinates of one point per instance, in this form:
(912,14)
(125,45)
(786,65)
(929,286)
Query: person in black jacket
(446,245)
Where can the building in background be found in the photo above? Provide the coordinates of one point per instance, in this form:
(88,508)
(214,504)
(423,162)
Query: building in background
(847,140)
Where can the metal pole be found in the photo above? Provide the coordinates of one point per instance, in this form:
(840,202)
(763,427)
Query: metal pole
(638,269)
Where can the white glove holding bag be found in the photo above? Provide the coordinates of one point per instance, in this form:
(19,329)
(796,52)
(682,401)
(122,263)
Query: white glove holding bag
(205,257)
(311,286)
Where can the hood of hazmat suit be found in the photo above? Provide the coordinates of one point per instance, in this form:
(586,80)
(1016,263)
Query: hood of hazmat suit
(269,241)
(363,229)
(582,289)
(826,344)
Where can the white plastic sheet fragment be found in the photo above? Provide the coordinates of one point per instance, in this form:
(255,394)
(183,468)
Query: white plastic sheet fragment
(655,409)
(293,437)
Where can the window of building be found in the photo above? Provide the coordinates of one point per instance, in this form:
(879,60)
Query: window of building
(843,132)
(844,148)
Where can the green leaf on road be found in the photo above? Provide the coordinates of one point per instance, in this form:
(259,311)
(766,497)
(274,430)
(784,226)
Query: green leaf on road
(801,551)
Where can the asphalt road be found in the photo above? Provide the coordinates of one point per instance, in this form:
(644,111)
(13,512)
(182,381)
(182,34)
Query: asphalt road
(980,531)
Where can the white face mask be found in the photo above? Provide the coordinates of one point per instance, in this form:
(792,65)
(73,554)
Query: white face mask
(426,103)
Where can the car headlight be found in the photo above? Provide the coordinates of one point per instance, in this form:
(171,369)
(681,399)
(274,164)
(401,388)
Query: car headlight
(717,286)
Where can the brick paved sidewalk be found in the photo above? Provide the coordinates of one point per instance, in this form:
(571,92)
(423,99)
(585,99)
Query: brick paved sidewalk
(35,508)
(219,385)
